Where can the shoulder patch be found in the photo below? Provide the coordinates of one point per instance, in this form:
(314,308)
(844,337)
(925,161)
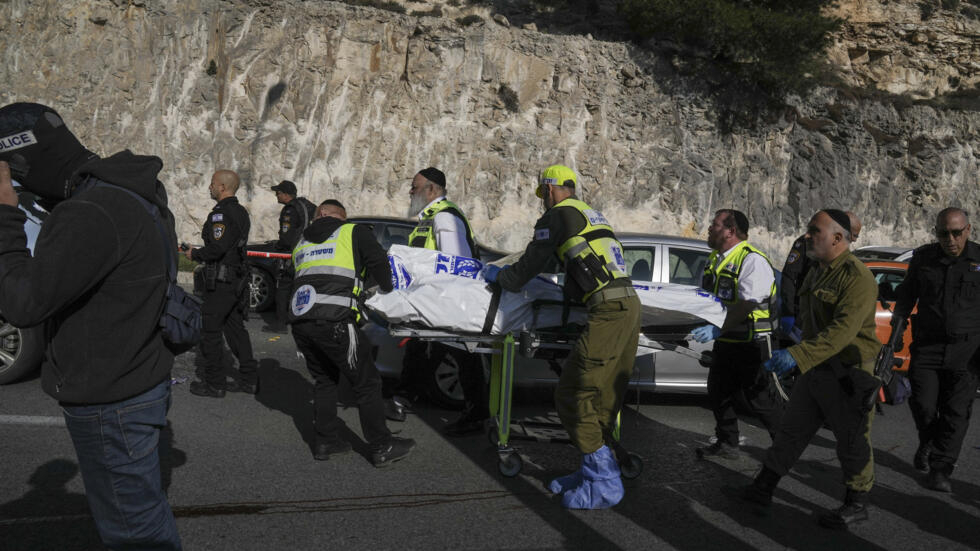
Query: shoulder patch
(218,230)
(793,257)
(542,234)
(974,267)
(595,217)
(217,217)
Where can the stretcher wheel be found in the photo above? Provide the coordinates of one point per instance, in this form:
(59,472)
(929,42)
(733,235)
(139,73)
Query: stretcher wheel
(632,467)
(510,464)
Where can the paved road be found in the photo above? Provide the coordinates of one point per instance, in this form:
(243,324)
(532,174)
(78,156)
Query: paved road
(240,476)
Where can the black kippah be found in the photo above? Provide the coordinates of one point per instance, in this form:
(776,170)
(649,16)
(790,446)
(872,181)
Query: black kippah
(741,221)
(840,217)
(434,175)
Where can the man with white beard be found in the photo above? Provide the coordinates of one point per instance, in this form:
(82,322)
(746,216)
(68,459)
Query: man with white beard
(442,227)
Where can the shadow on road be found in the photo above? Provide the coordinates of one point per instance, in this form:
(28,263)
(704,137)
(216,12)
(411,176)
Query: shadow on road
(48,516)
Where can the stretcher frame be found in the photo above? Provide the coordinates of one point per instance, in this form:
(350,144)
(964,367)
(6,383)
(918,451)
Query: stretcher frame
(502,348)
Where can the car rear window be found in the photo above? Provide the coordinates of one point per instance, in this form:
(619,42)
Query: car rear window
(687,266)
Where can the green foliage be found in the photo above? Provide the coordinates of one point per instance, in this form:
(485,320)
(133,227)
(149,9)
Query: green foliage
(509,97)
(772,43)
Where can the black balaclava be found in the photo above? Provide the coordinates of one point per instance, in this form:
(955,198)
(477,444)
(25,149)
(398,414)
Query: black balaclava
(43,154)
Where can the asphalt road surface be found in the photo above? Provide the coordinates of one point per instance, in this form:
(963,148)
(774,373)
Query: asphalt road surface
(240,475)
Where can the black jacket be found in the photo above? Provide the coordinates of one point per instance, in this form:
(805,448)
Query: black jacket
(97,281)
(947,290)
(225,234)
(368,253)
(557,225)
(794,270)
(294,217)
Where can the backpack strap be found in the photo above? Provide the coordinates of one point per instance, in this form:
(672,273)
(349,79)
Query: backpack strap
(156,215)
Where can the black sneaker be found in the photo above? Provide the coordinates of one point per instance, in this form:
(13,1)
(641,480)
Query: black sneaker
(718,449)
(201,388)
(845,515)
(395,449)
(921,459)
(242,386)
(394,410)
(324,451)
(939,481)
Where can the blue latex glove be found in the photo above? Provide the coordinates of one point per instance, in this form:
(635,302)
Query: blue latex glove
(490,273)
(786,324)
(781,362)
(599,486)
(706,333)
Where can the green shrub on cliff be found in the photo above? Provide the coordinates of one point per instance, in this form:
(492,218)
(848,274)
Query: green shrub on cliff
(773,43)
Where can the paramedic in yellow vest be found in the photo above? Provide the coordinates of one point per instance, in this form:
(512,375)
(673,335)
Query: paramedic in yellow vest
(594,378)
(442,227)
(333,259)
(742,278)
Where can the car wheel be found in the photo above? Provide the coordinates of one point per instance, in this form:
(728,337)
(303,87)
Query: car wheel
(443,384)
(262,290)
(21,351)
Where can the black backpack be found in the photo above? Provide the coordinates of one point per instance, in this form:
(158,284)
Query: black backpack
(180,321)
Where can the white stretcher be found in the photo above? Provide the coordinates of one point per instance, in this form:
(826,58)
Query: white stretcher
(442,298)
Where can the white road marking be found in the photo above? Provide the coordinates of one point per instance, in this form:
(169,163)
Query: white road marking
(42,420)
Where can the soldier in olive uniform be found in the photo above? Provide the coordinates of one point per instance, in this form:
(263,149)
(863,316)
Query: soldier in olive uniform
(836,359)
(296,214)
(594,378)
(225,291)
(944,279)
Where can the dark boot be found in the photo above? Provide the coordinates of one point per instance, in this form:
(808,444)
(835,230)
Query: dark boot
(325,450)
(395,449)
(939,480)
(202,388)
(921,459)
(760,491)
(718,449)
(854,509)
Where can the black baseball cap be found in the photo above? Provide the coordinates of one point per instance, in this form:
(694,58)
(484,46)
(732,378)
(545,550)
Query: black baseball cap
(434,175)
(286,187)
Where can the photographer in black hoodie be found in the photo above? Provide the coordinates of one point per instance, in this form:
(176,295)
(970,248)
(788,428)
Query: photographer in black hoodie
(97,282)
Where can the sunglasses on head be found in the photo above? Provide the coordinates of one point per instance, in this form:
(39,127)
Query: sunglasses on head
(943,234)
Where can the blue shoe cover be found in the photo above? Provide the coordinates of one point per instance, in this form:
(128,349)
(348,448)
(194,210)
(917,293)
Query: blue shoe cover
(567,482)
(601,486)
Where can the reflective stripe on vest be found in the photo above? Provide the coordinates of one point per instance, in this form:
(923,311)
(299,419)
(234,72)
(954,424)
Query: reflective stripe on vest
(423,236)
(721,278)
(594,249)
(329,268)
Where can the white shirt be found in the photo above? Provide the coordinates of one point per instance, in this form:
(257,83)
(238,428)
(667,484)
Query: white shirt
(449,231)
(756,278)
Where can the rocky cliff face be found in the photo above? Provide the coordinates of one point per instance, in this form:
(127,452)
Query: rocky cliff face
(350,102)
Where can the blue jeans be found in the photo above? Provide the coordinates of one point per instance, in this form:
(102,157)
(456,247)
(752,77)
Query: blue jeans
(118,456)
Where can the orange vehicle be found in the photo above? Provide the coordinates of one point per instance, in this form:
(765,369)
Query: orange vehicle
(888,275)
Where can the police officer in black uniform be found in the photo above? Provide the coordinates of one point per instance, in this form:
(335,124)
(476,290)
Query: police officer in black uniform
(295,216)
(225,291)
(944,279)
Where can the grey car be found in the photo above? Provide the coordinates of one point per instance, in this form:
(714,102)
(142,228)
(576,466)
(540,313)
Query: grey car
(650,258)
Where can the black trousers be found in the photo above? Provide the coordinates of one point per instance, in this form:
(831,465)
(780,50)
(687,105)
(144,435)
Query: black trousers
(222,316)
(736,369)
(333,349)
(421,357)
(284,284)
(943,387)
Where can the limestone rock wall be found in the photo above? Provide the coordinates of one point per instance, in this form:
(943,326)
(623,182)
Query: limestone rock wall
(350,102)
